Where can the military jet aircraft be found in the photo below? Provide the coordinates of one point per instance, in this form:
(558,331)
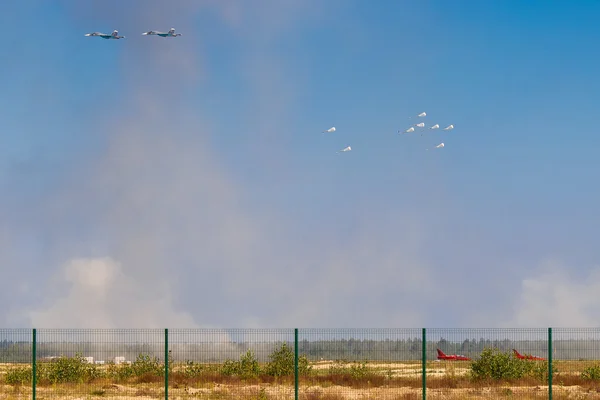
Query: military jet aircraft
(527,356)
(114,35)
(451,357)
(171,33)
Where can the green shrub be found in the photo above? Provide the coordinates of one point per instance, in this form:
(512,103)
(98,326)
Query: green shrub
(361,370)
(192,369)
(246,367)
(355,370)
(591,373)
(67,370)
(339,368)
(282,362)
(496,365)
(262,394)
(540,370)
(18,376)
(146,365)
(119,373)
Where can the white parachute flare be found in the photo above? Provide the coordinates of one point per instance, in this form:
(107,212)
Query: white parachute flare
(332,129)
(439,146)
(345,149)
(423,114)
(449,127)
(436,126)
(411,129)
(420,125)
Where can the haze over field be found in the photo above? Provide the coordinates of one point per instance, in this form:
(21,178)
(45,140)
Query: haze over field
(185,182)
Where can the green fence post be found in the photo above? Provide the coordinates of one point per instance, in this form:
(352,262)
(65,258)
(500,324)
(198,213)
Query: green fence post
(424,364)
(296,363)
(166,364)
(33,363)
(550,363)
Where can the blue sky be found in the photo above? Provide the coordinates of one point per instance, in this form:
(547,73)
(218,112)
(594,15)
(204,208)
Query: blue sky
(167,173)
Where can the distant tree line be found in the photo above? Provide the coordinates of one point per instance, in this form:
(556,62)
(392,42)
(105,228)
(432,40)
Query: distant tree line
(340,349)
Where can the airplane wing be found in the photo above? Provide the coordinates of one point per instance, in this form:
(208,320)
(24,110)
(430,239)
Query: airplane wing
(172,33)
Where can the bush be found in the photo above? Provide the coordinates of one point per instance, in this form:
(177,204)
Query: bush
(192,369)
(246,367)
(67,370)
(591,373)
(361,370)
(497,365)
(282,362)
(145,368)
(146,365)
(540,370)
(119,373)
(355,370)
(18,376)
(61,370)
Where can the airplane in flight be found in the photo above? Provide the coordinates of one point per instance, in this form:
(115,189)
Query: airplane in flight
(114,35)
(527,357)
(451,357)
(171,33)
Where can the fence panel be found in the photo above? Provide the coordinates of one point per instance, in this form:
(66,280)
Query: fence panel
(360,363)
(576,358)
(485,362)
(232,363)
(16,353)
(84,363)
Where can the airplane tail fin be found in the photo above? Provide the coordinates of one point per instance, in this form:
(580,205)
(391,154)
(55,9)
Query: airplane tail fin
(440,353)
(517,354)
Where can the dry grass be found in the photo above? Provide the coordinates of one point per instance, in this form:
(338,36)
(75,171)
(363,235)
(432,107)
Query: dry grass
(398,381)
(247,391)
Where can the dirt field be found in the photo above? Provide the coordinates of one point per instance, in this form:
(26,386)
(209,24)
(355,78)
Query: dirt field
(266,391)
(445,380)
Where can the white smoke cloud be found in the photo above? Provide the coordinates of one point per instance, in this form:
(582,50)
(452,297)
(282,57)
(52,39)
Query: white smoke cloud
(100,294)
(553,297)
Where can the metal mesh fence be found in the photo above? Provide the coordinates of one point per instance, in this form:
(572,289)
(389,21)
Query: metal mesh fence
(485,363)
(576,358)
(232,363)
(562,363)
(75,364)
(360,363)
(15,363)
(15,346)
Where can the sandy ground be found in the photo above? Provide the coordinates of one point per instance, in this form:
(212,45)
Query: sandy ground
(140,392)
(327,391)
(404,370)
